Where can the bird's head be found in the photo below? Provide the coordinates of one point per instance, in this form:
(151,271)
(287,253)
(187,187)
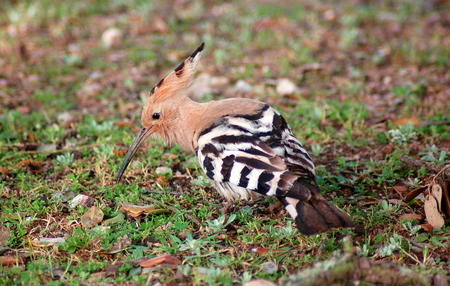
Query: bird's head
(163,105)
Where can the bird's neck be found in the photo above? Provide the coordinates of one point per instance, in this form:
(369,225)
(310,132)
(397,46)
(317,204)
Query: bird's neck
(194,117)
(189,119)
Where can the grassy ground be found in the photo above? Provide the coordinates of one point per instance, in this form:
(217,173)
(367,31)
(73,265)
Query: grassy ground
(70,106)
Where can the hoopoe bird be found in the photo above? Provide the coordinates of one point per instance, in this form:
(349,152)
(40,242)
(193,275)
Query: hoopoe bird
(244,146)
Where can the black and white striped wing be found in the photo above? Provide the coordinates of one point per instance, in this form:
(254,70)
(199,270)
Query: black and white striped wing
(287,146)
(239,163)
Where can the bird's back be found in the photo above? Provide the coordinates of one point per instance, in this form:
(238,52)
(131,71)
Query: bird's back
(255,152)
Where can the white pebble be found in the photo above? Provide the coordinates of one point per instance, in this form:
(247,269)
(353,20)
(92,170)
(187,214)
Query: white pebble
(285,87)
(112,37)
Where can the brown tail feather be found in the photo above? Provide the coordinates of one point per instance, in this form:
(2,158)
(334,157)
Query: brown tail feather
(312,213)
(316,216)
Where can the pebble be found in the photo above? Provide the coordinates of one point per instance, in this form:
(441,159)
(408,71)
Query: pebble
(82,200)
(47,147)
(65,117)
(91,89)
(259,282)
(285,87)
(112,37)
(269,267)
(163,170)
(243,86)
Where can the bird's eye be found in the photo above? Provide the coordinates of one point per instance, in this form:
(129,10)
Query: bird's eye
(155,115)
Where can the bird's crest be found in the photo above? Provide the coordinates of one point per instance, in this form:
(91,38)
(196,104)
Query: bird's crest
(179,79)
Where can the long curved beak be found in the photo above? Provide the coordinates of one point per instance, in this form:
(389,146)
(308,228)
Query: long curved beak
(143,134)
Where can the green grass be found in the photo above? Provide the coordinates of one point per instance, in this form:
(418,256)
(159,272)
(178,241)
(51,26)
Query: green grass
(370,74)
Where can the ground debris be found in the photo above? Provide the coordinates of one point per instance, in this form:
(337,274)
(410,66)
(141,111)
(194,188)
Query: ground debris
(349,268)
(81,200)
(92,217)
(48,241)
(168,259)
(136,210)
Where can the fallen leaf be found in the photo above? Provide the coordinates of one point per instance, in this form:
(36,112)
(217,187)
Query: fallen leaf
(136,211)
(120,152)
(436,192)
(31,165)
(92,217)
(428,228)
(163,181)
(4,171)
(431,206)
(10,260)
(400,190)
(168,259)
(403,121)
(414,193)
(410,217)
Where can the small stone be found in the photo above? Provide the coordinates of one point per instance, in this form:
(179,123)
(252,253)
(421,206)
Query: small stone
(163,170)
(112,37)
(65,117)
(81,200)
(64,195)
(285,87)
(47,147)
(243,86)
(90,89)
(260,282)
(219,81)
(269,267)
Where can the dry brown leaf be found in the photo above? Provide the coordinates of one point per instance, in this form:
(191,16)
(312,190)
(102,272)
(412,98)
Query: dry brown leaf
(168,259)
(163,181)
(403,121)
(414,193)
(428,228)
(10,260)
(434,218)
(400,190)
(410,217)
(92,217)
(436,192)
(137,211)
(4,171)
(120,152)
